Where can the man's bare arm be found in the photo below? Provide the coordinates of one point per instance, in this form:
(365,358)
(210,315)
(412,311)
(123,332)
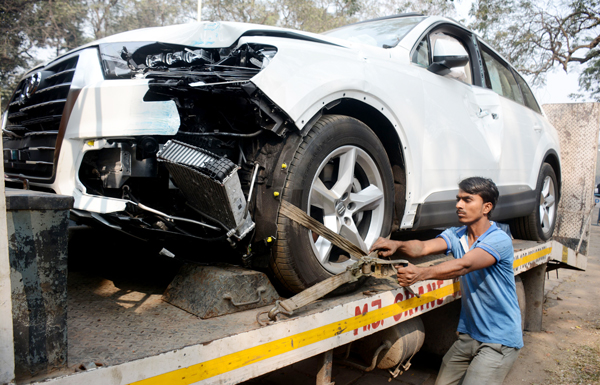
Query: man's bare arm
(474,260)
(411,249)
(416,249)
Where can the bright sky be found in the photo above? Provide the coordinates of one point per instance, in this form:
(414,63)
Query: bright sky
(558,85)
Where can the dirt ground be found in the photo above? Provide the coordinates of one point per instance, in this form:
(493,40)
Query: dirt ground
(567,351)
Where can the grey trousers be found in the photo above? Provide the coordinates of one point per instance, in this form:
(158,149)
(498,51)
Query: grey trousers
(470,362)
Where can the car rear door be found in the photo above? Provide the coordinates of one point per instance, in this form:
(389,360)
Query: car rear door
(521,124)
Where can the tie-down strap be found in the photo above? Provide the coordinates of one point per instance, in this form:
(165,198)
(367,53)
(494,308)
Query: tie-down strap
(295,214)
(365,265)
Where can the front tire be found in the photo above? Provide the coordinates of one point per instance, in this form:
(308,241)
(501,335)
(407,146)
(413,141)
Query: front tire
(539,225)
(341,176)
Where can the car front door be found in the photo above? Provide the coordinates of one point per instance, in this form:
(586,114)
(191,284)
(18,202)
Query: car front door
(463,128)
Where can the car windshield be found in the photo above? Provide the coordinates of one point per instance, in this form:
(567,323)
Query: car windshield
(385,33)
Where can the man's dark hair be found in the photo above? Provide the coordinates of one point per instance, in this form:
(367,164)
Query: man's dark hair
(483,187)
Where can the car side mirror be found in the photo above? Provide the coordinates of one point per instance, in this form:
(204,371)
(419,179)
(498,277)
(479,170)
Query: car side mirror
(447,54)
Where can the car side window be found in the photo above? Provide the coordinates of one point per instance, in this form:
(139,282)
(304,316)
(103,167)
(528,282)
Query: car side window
(500,78)
(529,98)
(461,73)
(421,54)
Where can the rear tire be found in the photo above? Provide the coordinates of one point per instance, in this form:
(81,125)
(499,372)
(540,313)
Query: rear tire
(539,225)
(341,176)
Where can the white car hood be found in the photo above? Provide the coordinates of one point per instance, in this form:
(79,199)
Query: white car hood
(221,34)
(207,34)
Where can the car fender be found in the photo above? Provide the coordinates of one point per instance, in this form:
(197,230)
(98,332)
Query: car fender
(542,156)
(304,78)
(548,146)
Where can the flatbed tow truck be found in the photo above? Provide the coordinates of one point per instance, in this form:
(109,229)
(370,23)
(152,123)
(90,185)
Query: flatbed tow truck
(131,336)
(140,339)
(124,333)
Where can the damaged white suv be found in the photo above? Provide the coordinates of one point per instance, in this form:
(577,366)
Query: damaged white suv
(200,130)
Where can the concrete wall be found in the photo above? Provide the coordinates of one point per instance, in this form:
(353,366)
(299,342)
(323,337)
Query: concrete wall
(578,125)
(598,168)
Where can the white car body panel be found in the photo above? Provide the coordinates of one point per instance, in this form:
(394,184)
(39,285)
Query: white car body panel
(304,77)
(100,112)
(317,79)
(301,79)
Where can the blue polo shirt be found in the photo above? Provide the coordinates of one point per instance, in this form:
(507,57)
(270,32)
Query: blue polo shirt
(490,309)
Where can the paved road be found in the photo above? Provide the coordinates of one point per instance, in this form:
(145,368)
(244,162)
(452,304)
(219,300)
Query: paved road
(531,368)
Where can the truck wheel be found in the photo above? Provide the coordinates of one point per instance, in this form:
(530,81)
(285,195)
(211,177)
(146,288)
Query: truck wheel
(341,176)
(539,225)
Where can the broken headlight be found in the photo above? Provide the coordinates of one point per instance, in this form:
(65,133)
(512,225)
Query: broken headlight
(126,60)
(131,59)
(182,58)
(118,60)
(250,55)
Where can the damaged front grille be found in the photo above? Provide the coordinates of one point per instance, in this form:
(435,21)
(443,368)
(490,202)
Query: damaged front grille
(210,184)
(34,116)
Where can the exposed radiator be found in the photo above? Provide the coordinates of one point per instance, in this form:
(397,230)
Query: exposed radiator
(210,184)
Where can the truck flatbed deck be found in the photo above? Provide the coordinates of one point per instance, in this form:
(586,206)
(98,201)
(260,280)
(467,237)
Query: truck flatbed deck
(134,337)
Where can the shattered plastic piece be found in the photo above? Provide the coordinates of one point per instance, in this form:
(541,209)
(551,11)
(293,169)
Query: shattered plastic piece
(199,54)
(88,365)
(256,62)
(166,253)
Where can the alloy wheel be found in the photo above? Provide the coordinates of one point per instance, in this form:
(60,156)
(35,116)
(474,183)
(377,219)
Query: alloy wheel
(547,204)
(347,196)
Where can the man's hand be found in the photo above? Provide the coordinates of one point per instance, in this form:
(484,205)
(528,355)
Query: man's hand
(386,247)
(411,249)
(408,275)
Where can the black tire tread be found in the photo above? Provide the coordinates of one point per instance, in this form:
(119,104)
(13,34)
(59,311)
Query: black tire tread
(283,265)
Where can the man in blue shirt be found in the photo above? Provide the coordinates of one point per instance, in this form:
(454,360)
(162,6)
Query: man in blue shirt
(489,328)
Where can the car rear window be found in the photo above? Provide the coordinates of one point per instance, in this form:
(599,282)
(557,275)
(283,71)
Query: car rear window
(379,33)
(501,78)
(529,98)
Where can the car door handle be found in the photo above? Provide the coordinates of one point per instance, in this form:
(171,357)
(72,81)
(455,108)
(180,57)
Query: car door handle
(537,127)
(482,113)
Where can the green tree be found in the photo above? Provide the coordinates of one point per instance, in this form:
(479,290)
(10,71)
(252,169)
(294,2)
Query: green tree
(26,25)
(537,37)
(107,17)
(316,15)
(156,13)
(244,11)
(380,8)
(102,17)
(426,7)
(29,26)
(14,45)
